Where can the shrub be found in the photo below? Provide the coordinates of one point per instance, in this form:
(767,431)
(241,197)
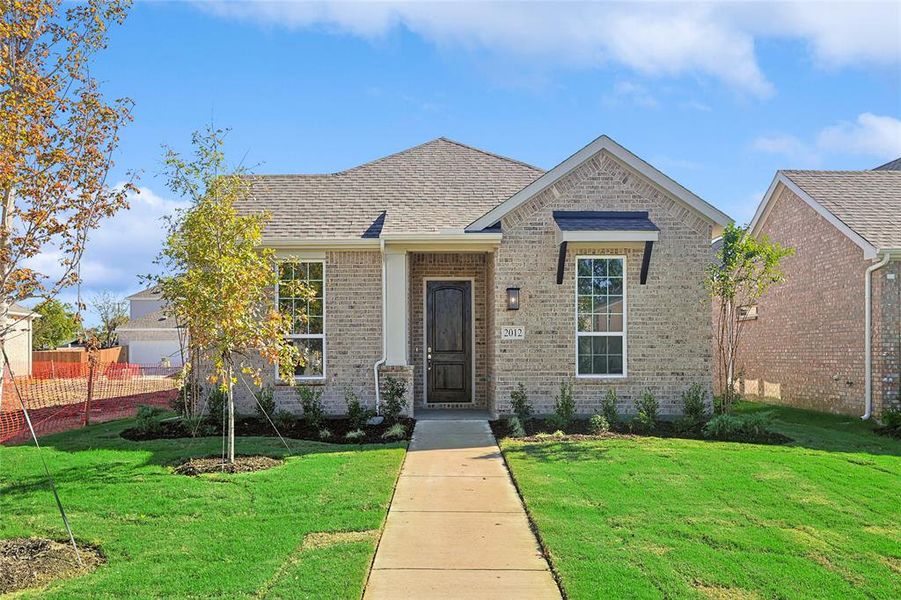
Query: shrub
(265,406)
(148,420)
(608,407)
(357,414)
(284,420)
(395,432)
(648,412)
(216,402)
(514,427)
(394,398)
(522,408)
(324,434)
(891,418)
(311,402)
(734,427)
(355,435)
(564,405)
(694,409)
(598,424)
(559,434)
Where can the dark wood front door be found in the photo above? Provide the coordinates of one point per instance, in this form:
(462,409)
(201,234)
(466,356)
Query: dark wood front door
(449,341)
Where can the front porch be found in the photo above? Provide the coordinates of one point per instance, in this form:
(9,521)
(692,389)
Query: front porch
(443,302)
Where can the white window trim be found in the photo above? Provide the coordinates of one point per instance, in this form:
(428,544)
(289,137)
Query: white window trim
(307,336)
(579,334)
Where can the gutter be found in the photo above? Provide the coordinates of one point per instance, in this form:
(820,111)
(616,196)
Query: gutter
(868,334)
(384,358)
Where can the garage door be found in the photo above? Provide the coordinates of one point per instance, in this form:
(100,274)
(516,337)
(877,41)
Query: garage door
(152,352)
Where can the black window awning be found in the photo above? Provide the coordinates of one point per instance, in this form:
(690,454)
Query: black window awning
(604,228)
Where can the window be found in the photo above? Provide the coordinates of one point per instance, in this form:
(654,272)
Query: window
(600,316)
(307,314)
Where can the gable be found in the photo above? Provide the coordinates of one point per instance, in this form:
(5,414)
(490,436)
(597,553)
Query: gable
(564,172)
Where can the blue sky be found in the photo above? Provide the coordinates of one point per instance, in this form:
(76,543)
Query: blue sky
(717,96)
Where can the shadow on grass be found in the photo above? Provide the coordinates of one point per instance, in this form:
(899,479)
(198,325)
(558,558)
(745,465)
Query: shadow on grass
(127,457)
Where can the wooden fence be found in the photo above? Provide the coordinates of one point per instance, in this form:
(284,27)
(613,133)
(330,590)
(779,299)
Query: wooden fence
(116,354)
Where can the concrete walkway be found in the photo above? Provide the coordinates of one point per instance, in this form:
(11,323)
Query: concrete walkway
(456,527)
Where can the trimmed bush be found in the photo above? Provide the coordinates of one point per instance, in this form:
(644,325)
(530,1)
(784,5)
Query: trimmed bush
(311,402)
(394,398)
(357,414)
(148,420)
(608,407)
(522,408)
(283,420)
(356,434)
(694,409)
(216,402)
(564,406)
(265,405)
(598,424)
(325,434)
(648,412)
(738,427)
(514,427)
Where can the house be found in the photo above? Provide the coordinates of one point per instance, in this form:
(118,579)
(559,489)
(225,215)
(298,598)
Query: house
(151,334)
(465,274)
(18,340)
(829,337)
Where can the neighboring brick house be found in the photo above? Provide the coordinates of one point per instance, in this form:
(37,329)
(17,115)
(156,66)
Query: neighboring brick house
(151,334)
(804,343)
(466,273)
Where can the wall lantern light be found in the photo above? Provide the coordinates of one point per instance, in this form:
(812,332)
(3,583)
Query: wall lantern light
(512,298)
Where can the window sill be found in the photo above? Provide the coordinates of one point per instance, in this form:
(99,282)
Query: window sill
(602,377)
(311,381)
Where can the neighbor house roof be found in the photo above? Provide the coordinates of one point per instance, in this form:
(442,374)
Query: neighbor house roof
(892,165)
(152,293)
(864,205)
(431,188)
(18,309)
(159,319)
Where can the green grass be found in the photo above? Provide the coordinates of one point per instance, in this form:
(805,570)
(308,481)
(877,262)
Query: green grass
(670,518)
(235,536)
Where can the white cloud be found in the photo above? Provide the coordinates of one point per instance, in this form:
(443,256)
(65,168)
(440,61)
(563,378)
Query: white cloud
(653,39)
(627,92)
(868,135)
(118,251)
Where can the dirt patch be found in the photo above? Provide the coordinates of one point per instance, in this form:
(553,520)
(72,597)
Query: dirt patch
(324,539)
(33,562)
(214,464)
(715,592)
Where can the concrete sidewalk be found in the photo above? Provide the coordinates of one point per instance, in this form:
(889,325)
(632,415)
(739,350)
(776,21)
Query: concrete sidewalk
(456,527)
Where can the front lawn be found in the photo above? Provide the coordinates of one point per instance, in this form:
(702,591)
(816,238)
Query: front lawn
(651,518)
(236,536)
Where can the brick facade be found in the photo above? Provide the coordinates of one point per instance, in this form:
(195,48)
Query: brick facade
(806,348)
(353,329)
(668,319)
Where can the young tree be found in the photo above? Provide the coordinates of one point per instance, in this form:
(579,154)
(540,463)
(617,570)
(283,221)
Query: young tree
(57,324)
(113,312)
(219,283)
(745,269)
(57,133)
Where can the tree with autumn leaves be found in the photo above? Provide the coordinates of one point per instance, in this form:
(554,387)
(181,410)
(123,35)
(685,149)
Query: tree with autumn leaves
(57,136)
(218,281)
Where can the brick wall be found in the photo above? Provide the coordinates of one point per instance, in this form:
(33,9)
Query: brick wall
(353,328)
(668,319)
(450,266)
(806,348)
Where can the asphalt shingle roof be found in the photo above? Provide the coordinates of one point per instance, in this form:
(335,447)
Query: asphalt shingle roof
(436,186)
(892,165)
(151,293)
(568,220)
(869,202)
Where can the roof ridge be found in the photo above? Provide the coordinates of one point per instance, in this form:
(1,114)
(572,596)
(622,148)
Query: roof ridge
(840,171)
(492,154)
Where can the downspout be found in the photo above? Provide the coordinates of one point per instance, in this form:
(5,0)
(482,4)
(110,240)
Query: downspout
(384,358)
(868,336)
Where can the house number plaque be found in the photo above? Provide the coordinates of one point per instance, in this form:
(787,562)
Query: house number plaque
(511,332)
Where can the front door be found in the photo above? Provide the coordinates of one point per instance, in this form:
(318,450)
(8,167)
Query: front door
(449,341)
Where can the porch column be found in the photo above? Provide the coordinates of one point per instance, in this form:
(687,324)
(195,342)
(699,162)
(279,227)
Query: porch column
(396,299)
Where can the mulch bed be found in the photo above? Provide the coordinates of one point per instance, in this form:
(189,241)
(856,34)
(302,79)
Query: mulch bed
(296,429)
(33,562)
(579,430)
(894,432)
(214,464)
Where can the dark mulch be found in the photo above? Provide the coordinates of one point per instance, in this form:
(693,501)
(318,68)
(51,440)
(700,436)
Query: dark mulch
(537,428)
(33,562)
(295,429)
(887,431)
(214,464)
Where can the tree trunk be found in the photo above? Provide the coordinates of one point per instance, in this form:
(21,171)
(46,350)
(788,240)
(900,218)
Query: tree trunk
(231,417)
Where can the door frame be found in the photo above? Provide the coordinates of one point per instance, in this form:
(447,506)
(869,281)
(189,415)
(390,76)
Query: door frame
(425,337)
